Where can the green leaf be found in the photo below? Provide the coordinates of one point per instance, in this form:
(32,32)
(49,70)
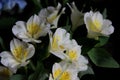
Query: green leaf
(102,41)
(7,22)
(87,44)
(65,2)
(43,53)
(17,77)
(102,58)
(42,50)
(40,73)
(67,27)
(36,6)
(37,3)
(2,44)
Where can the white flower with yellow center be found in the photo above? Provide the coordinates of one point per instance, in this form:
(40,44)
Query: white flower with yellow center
(58,42)
(62,73)
(52,14)
(73,55)
(19,55)
(32,30)
(77,17)
(96,25)
(73,51)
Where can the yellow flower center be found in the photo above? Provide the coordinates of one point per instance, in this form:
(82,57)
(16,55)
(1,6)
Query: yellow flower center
(97,23)
(65,76)
(59,75)
(52,17)
(20,53)
(33,29)
(72,55)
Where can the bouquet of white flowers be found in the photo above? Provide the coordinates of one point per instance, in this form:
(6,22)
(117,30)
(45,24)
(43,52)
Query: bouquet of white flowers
(56,43)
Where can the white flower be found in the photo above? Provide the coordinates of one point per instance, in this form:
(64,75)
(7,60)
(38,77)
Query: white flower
(19,55)
(32,30)
(73,55)
(97,26)
(51,14)
(5,73)
(67,50)
(77,17)
(73,51)
(62,73)
(58,42)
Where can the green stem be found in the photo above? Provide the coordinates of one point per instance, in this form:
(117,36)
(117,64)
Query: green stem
(32,65)
(25,69)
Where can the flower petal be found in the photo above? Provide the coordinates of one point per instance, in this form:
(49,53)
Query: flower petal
(21,50)
(97,16)
(107,28)
(88,21)
(14,43)
(33,19)
(59,41)
(56,66)
(82,63)
(9,61)
(50,77)
(19,29)
(77,17)
(31,51)
(59,54)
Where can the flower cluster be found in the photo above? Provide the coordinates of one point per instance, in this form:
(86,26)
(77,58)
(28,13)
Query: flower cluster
(61,43)
(69,51)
